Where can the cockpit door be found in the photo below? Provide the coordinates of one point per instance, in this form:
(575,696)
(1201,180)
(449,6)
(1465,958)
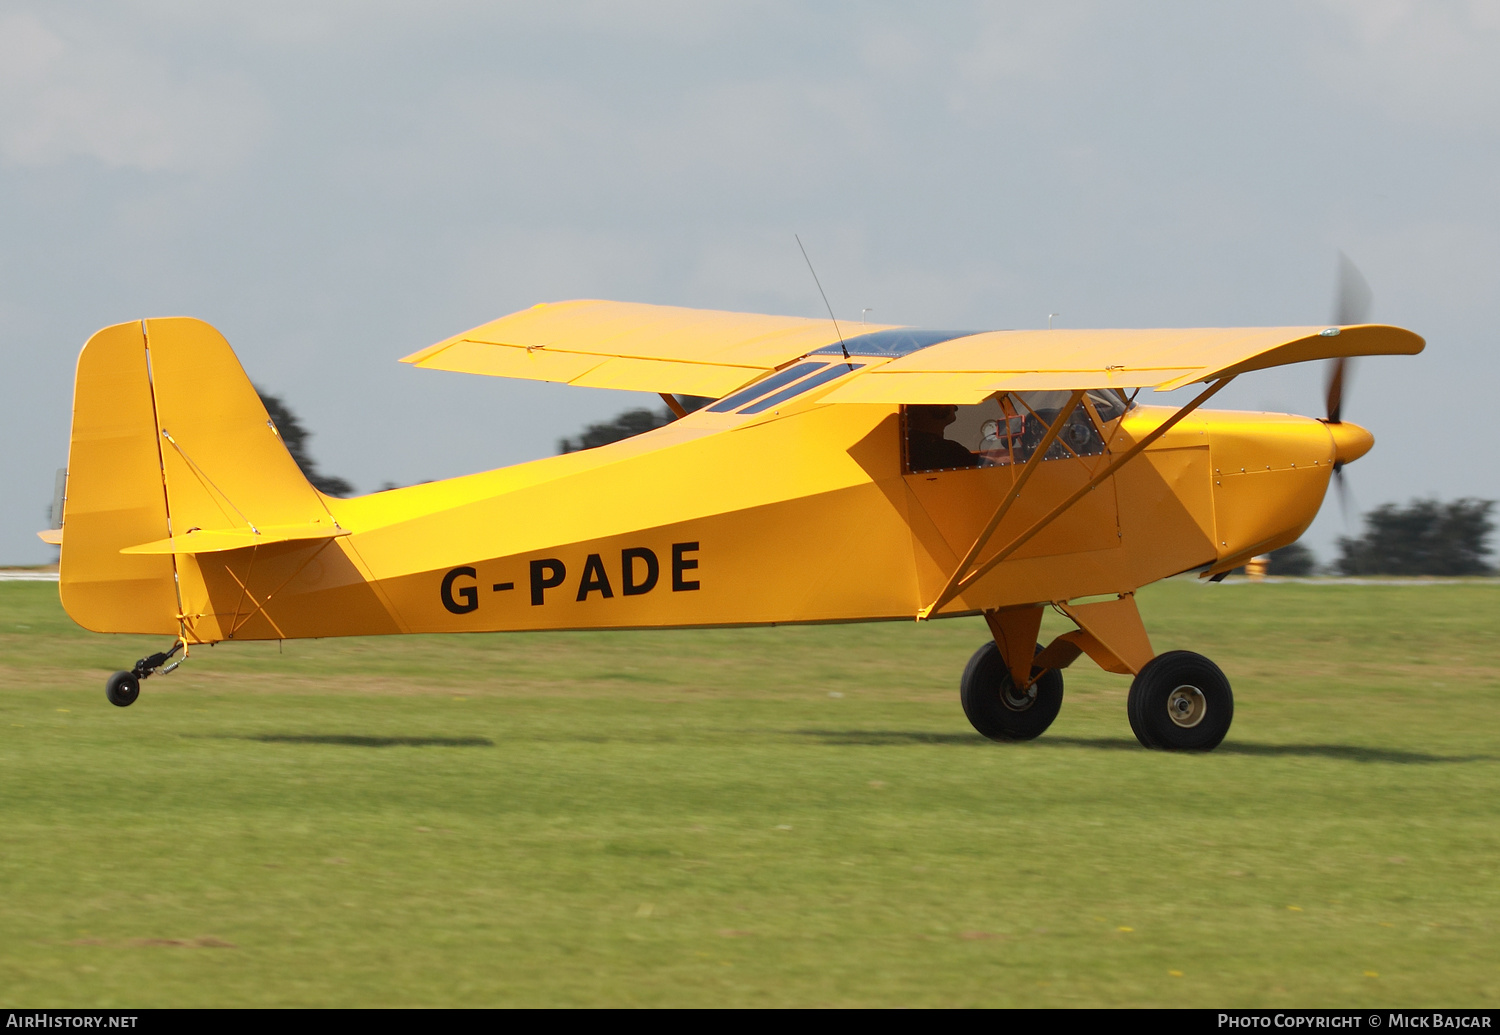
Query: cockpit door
(961,461)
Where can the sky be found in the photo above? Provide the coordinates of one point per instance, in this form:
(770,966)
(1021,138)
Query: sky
(336,185)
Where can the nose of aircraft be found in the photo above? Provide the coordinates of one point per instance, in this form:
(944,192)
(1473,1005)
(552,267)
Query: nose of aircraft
(1350,441)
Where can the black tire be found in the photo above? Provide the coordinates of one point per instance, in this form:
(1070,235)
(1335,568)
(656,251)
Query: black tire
(122,689)
(994,707)
(1132,712)
(1181,701)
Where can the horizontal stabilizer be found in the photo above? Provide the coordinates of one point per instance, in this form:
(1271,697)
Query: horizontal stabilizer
(214,540)
(51,535)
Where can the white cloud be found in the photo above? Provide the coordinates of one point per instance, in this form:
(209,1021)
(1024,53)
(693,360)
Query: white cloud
(84,92)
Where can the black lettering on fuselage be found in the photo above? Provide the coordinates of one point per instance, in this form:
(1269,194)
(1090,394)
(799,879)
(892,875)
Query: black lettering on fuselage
(540,583)
(682,563)
(469,595)
(640,572)
(630,587)
(594,579)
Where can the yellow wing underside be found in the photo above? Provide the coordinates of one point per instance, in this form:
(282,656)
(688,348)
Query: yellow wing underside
(704,352)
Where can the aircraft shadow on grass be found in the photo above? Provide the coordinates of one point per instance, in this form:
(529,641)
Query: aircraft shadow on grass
(1352,753)
(1337,752)
(355,740)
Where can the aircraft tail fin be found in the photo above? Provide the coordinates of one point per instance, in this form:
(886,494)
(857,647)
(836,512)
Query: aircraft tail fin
(170,441)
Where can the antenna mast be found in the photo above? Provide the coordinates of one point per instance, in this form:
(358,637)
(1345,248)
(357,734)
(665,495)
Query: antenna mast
(835,319)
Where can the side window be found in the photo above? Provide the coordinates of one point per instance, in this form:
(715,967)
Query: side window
(1006,429)
(1038,410)
(935,440)
(1109,403)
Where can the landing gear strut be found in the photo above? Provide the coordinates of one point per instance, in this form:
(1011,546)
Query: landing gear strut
(123,688)
(1180,701)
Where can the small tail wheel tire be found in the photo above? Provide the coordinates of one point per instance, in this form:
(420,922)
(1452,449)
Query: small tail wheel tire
(1180,701)
(997,708)
(122,689)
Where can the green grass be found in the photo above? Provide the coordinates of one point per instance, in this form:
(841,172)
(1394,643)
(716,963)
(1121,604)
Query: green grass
(795,816)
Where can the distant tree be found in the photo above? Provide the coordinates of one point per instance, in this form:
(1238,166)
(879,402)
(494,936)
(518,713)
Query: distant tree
(1425,537)
(1294,559)
(624,425)
(627,425)
(295,437)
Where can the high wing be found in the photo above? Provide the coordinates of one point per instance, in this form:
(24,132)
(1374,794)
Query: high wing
(711,353)
(970,369)
(644,348)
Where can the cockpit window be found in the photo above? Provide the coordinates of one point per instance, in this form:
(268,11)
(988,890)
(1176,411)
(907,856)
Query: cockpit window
(929,446)
(764,386)
(1007,429)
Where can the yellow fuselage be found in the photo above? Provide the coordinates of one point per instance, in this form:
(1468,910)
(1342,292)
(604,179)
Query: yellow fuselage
(799,517)
(186,515)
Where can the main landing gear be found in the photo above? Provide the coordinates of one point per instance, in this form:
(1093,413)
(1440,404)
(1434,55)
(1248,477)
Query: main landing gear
(123,688)
(1180,701)
(998,708)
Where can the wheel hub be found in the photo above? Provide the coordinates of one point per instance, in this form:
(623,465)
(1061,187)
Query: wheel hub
(1017,700)
(1186,706)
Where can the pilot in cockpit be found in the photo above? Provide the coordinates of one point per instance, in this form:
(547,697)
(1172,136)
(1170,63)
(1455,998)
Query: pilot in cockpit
(998,439)
(926,448)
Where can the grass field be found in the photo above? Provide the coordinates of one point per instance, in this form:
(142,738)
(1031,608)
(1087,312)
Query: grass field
(795,816)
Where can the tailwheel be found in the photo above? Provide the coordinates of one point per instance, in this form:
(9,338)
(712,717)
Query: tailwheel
(1180,702)
(1000,710)
(122,689)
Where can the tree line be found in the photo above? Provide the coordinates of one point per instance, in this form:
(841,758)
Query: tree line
(1423,537)
(628,424)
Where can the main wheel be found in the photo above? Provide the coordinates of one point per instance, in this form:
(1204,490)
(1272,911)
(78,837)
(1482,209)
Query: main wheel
(996,708)
(122,689)
(1180,702)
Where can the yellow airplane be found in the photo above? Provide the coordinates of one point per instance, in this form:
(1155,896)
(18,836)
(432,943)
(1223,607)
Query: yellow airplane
(894,475)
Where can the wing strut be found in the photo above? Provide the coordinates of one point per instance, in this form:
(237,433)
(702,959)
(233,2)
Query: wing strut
(959,581)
